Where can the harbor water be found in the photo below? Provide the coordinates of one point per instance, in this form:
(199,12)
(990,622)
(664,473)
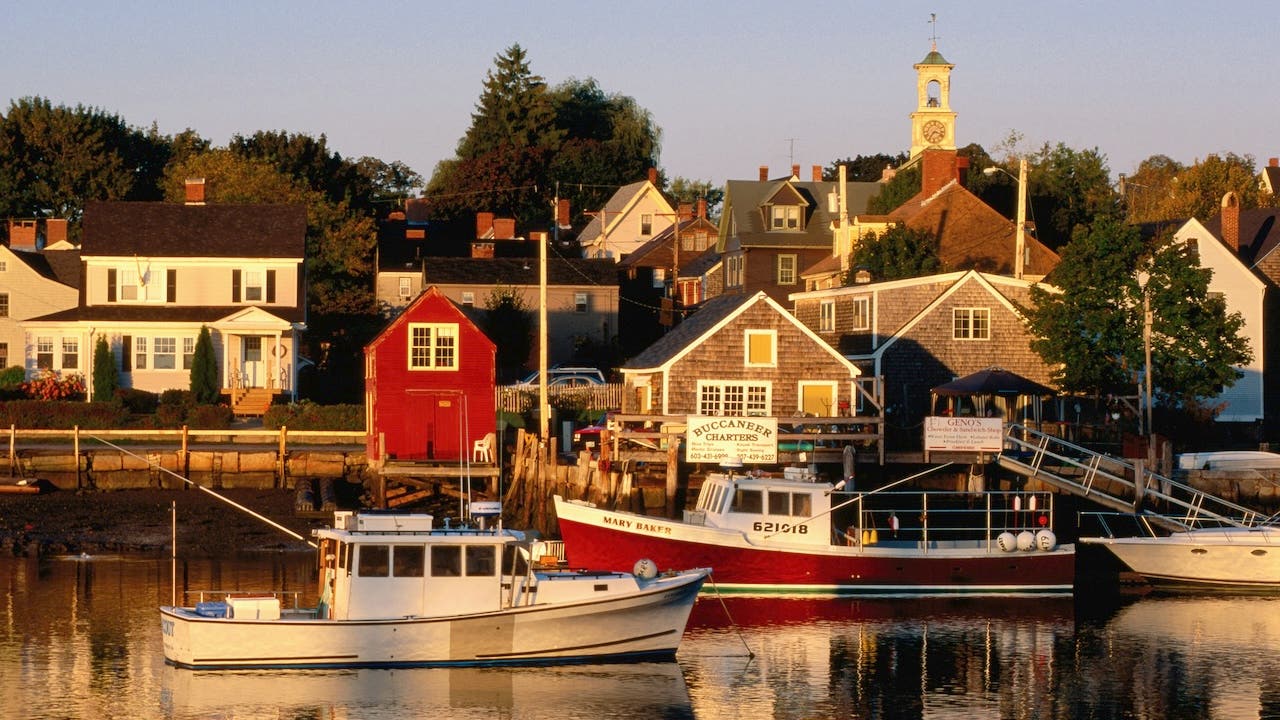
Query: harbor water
(80,638)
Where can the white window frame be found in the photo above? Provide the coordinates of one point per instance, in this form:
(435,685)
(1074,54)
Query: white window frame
(738,398)
(406,287)
(581,303)
(255,286)
(827,316)
(861,313)
(784,217)
(746,347)
(127,284)
(733,270)
(646,224)
(188,352)
(432,346)
(70,349)
(164,353)
(468,298)
(44,352)
(787,274)
(4,305)
(139,352)
(971,323)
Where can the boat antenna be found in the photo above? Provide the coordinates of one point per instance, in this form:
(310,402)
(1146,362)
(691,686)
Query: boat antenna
(201,488)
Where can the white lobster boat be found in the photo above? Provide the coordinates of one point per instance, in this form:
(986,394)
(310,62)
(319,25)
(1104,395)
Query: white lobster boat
(396,592)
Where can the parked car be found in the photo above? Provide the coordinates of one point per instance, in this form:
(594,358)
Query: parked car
(567,377)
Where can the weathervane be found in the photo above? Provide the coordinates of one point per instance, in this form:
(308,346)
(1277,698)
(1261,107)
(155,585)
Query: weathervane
(933,34)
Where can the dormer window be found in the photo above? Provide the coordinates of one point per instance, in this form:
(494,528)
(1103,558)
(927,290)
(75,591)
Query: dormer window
(785,217)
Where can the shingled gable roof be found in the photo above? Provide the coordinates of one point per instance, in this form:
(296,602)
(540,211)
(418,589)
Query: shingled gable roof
(743,203)
(959,280)
(519,271)
(1259,234)
(61,266)
(657,252)
(709,319)
(617,205)
(166,313)
(971,234)
(157,229)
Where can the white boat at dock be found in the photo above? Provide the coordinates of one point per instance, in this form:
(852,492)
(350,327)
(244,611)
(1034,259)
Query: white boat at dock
(397,592)
(1240,558)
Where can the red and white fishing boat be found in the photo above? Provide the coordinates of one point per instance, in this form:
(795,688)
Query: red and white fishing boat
(792,533)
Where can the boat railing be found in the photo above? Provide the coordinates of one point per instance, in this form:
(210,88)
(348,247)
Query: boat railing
(1113,524)
(292,596)
(934,519)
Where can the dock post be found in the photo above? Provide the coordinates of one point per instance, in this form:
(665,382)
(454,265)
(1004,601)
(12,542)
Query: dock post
(75,443)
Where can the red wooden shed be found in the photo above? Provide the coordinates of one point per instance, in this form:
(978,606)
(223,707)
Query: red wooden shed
(429,384)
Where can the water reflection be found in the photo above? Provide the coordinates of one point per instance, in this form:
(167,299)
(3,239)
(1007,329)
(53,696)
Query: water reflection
(80,638)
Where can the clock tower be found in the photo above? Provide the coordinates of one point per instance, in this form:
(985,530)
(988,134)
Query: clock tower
(933,124)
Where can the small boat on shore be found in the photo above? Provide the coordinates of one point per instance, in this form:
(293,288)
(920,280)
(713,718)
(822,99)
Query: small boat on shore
(397,592)
(771,534)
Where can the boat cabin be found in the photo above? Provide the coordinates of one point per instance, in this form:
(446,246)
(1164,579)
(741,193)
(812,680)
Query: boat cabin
(793,508)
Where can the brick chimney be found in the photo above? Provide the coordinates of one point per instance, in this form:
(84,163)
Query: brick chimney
(937,168)
(684,211)
(764,173)
(562,213)
(1273,162)
(1231,221)
(22,234)
(504,228)
(817,173)
(482,250)
(484,223)
(195,191)
(653,176)
(55,230)
(962,169)
(795,171)
(702,208)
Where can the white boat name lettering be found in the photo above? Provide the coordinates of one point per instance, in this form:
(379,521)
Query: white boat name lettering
(780,528)
(637,526)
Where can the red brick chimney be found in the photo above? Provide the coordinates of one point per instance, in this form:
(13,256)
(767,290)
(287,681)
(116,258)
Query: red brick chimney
(653,176)
(817,173)
(504,228)
(195,191)
(1273,162)
(962,169)
(482,250)
(562,213)
(764,173)
(1231,221)
(702,208)
(795,171)
(22,234)
(937,168)
(484,223)
(684,211)
(55,230)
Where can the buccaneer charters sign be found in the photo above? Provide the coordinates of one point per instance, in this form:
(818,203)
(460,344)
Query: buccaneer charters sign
(715,439)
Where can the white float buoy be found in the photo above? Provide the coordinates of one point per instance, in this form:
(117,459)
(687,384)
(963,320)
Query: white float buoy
(1006,541)
(1046,540)
(1026,540)
(645,569)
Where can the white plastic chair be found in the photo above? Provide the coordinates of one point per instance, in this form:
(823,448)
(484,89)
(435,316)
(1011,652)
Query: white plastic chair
(482,449)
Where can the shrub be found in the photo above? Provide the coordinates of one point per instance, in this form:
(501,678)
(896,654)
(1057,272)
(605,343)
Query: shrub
(137,401)
(181,398)
(209,417)
(204,370)
(106,379)
(49,385)
(12,377)
(62,415)
(306,415)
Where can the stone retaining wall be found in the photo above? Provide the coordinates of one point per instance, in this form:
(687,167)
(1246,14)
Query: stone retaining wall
(255,469)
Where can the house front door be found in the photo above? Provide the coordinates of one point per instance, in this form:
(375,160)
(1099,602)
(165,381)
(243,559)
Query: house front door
(252,367)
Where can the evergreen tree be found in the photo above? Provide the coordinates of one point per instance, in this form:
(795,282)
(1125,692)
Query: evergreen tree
(514,109)
(204,371)
(1091,325)
(509,323)
(106,379)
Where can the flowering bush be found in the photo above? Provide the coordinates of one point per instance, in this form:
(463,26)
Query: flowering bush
(50,385)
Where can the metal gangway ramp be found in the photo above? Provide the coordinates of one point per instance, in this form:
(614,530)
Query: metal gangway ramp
(1110,481)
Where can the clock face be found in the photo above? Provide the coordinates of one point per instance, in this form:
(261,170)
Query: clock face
(934,131)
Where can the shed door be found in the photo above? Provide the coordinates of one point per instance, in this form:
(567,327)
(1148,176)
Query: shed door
(435,420)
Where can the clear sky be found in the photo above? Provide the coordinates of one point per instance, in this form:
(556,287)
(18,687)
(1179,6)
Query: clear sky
(733,85)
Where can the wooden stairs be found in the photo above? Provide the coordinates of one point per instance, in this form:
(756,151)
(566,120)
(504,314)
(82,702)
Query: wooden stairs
(251,402)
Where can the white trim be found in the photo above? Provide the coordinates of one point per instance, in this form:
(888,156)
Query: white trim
(832,385)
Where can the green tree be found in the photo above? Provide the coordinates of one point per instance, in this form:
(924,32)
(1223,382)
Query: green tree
(1091,325)
(684,190)
(509,323)
(106,379)
(899,252)
(1163,189)
(863,168)
(1066,188)
(204,370)
(54,158)
(904,186)
(514,109)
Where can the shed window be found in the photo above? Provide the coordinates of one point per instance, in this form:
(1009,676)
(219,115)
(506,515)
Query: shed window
(971,324)
(733,398)
(762,348)
(433,346)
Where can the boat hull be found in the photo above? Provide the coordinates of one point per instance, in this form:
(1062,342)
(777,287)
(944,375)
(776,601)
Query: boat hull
(645,625)
(599,538)
(1228,559)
